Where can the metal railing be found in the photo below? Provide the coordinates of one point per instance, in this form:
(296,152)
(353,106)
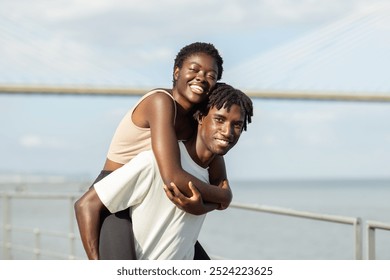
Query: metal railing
(371,227)
(356,222)
(36,249)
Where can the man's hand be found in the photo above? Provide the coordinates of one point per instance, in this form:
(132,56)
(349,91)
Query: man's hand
(193,204)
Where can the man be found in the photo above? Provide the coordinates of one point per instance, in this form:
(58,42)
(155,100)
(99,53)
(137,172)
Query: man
(162,230)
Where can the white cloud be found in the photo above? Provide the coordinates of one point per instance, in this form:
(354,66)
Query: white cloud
(36,141)
(31,141)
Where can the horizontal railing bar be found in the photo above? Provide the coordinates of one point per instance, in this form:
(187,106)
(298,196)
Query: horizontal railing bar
(42,231)
(295,213)
(39,195)
(258,208)
(378,225)
(26,249)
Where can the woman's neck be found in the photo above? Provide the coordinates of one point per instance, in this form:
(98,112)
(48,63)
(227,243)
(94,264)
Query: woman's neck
(183,105)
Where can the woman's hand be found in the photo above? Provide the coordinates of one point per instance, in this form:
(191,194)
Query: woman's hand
(193,204)
(225,186)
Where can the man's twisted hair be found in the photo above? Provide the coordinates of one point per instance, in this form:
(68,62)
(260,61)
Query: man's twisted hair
(224,95)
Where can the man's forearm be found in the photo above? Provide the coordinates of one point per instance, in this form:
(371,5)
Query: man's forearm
(88,210)
(89,238)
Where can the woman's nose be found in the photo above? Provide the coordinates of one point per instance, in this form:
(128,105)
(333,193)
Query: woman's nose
(200,76)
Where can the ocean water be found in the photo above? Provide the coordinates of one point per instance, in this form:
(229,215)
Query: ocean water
(235,233)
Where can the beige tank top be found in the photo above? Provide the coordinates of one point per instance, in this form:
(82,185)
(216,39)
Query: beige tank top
(129,140)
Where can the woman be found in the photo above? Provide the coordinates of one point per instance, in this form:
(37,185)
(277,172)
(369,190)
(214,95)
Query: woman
(156,122)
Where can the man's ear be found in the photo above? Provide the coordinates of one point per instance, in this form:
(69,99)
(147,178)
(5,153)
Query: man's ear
(200,119)
(176,73)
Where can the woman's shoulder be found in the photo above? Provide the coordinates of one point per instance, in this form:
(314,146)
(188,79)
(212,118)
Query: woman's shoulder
(159,92)
(158,97)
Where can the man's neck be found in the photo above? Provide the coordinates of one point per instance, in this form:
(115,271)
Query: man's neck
(199,156)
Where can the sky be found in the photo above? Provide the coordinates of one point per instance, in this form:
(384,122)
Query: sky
(299,45)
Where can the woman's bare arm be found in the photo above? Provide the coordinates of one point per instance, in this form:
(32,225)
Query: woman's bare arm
(193,204)
(218,177)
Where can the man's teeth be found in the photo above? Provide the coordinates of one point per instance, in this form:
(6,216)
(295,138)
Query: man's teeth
(224,142)
(197,89)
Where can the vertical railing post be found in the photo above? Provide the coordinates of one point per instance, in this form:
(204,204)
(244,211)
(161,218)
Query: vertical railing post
(72,245)
(358,239)
(37,249)
(6,227)
(370,242)
(372,226)
(71,233)
(71,214)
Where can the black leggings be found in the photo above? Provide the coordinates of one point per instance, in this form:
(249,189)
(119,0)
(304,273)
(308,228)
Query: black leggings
(116,241)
